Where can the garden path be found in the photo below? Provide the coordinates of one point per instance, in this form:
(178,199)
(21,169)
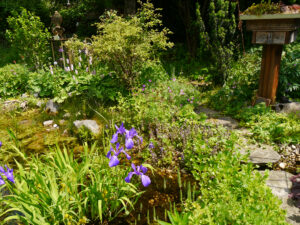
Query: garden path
(260,154)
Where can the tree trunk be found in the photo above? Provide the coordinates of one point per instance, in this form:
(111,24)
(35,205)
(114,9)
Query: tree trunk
(186,12)
(129,7)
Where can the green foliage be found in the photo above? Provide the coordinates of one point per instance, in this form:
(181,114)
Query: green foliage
(162,111)
(13,79)
(217,35)
(126,44)
(29,36)
(59,189)
(263,8)
(160,102)
(289,78)
(62,84)
(176,218)
(8,55)
(230,192)
(240,85)
(269,126)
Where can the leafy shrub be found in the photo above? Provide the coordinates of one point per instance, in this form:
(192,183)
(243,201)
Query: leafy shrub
(125,44)
(58,189)
(240,85)
(63,84)
(13,79)
(165,111)
(230,192)
(159,102)
(269,126)
(263,8)
(289,78)
(43,83)
(29,36)
(217,35)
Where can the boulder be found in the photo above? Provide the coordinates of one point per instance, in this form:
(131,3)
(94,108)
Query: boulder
(52,107)
(89,124)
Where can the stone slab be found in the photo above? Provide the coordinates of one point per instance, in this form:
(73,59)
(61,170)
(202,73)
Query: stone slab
(280,184)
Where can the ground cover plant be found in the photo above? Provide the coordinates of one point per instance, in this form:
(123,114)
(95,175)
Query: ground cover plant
(144,155)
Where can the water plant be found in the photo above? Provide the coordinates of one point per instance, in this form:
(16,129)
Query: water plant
(59,189)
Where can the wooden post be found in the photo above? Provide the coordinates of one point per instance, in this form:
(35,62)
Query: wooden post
(272,31)
(269,73)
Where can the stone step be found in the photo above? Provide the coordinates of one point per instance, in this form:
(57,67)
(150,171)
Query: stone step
(280,184)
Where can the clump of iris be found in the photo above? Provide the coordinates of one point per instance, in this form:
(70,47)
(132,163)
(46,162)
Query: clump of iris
(8,173)
(131,137)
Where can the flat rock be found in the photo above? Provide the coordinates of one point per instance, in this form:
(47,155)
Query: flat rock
(264,156)
(52,107)
(280,184)
(258,154)
(11,105)
(89,124)
(48,123)
(224,121)
(209,112)
(218,119)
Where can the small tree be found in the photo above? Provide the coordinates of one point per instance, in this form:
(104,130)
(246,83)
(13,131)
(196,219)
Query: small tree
(125,44)
(217,34)
(30,37)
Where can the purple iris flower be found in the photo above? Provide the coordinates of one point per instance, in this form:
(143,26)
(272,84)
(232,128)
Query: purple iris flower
(129,138)
(114,161)
(144,85)
(8,173)
(1,181)
(150,81)
(139,171)
(151,145)
(0,144)
(61,50)
(120,130)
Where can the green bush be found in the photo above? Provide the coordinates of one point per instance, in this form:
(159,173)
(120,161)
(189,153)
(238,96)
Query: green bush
(160,102)
(126,44)
(30,37)
(217,36)
(62,84)
(231,193)
(161,110)
(240,85)
(289,78)
(269,126)
(13,79)
(59,189)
